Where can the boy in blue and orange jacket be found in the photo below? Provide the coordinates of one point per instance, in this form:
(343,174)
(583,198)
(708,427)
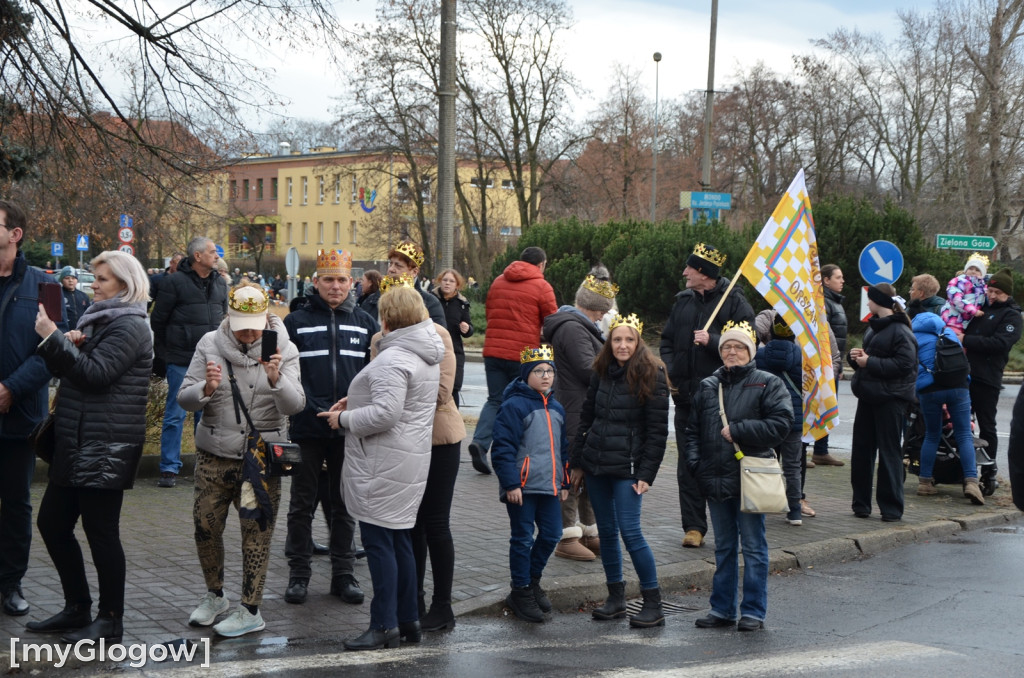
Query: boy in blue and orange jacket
(530,454)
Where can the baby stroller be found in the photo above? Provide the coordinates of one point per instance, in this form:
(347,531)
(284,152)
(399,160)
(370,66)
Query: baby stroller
(948,469)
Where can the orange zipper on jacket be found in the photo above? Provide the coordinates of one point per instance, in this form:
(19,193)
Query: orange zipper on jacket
(551,438)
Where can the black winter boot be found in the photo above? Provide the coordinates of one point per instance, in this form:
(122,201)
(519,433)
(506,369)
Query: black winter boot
(615,606)
(650,614)
(524,604)
(440,616)
(543,602)
(106,625)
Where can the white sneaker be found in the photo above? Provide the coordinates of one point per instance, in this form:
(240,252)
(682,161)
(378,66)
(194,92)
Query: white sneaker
(210,606)
(239,623)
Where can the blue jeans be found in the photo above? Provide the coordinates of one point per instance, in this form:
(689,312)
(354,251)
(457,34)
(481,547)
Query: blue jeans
(174,421)
(393,573)
(528,556)
(958,402)
(617,510)
(499,373)
(731,526)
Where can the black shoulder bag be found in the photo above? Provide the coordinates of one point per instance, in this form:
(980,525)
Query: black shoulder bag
(279,459)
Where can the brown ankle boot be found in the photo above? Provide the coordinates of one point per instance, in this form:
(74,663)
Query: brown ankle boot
(973,492)
(926,487)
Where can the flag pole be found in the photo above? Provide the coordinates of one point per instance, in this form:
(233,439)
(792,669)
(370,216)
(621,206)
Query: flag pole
(732,283)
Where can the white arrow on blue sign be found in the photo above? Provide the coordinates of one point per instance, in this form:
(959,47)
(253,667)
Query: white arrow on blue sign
(880,262)
(82,243)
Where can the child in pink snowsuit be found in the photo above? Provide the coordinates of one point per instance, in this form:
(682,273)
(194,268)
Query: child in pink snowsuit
(965,294)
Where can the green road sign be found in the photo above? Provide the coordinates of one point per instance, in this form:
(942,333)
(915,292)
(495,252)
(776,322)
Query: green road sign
(964,242)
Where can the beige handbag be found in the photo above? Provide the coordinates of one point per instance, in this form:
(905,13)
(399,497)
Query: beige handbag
(762,485)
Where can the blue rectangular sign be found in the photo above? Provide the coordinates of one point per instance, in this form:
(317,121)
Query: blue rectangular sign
(715,201)
(57,249)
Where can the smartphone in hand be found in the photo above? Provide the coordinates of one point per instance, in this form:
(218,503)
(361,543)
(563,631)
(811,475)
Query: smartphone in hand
(269,345)
(52,300)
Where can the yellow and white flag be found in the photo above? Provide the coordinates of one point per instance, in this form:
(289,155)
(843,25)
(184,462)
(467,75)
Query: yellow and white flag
(783,266)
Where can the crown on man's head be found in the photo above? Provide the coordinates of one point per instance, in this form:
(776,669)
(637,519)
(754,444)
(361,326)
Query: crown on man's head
(412,251)
(390,282)
(532,355)
(978,256)
(741,327)
(603,287)
(333,262)
(709,254)
(630,320)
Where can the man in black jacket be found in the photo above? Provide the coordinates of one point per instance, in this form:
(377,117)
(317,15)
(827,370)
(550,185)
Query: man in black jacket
(987,341)
(23,398)
(191,302)
(407,257)
(333,338)
(691,354)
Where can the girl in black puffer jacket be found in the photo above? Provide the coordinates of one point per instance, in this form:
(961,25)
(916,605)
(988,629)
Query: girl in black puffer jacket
(618,449)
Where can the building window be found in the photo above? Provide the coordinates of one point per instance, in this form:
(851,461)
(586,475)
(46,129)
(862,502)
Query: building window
(245,189)
(337,189)
(305,233)
(234,190)
(425,190)
(273,188)
(207,193)
(476,181)
(403,188)
(288,232)
(320,199)
(355,189)
(305,190)
(259,189)
(354,233)
(508,184)
(288,187)
(337,232)
(320,232)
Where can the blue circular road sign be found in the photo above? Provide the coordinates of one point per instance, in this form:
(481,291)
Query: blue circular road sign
(880,262)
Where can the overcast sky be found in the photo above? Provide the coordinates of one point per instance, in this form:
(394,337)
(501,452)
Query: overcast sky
(630,31)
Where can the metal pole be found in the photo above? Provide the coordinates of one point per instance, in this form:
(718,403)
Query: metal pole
(709,99)
(444,256)
(654,180)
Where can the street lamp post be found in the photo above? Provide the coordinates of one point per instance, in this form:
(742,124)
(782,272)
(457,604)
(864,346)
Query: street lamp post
(654,180)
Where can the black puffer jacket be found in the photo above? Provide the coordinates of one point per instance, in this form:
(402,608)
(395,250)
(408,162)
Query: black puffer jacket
(837,317)
(618,436)
(456,310)
(989,338)
(576,341)
(891,370)
(688,363)
(760,414)
(186,308)
(101,409)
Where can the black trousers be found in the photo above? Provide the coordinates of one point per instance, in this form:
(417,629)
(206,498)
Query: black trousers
(460,374)
(17,463)
(432,533)
(692,505)
(877,428)
(985,402)
(298,545)
(100,511)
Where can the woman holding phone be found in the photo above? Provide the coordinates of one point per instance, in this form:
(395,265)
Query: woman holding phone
(100,428)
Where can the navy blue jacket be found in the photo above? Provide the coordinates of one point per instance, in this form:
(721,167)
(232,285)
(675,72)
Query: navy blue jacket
(781,356)
(21,370)
(530,449)
(75,303)
(334,344)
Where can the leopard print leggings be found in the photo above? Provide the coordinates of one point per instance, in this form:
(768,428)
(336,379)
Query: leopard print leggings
(218,486)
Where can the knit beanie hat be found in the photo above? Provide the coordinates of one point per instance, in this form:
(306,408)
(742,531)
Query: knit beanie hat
(596,295)
(67,271)
(979,261)
(1002,281)
(706,259)
(530,358)
(740,332)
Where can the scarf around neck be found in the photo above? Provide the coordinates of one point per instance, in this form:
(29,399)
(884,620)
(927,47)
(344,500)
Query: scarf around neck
(103,312)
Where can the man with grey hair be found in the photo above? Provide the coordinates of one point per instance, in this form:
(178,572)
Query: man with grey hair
(190,302)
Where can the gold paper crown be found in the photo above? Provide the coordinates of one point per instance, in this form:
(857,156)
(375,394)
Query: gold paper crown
(333,262)
(709,254)
(602,287)
(782,328)
(532,355)
(743,327)
(978,256)
(247,301)
(630,320)
(390,282)
(412,251)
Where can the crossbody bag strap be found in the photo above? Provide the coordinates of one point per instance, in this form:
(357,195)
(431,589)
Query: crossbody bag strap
(725,421)
(236,397)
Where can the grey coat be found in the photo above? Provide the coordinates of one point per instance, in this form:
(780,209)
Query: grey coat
(388,422)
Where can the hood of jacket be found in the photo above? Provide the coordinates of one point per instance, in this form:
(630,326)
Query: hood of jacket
(421,339)
(522,270)
(928,323)
(568,314)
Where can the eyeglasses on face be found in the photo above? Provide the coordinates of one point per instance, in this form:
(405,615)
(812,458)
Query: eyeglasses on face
(733,348)
(543,374)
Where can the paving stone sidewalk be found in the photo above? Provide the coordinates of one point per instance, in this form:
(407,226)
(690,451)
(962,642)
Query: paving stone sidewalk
(164,582)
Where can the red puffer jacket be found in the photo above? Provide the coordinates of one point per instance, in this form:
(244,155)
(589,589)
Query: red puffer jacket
(517,303)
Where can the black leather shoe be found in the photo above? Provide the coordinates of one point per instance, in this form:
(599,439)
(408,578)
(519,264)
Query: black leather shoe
(479,457)
(297,589)
(749,624)
(14,603)
(713,622)
(374,639)
(410,632)
(346,588)
(320,549)
(439,618)
(71,618)
(104,626)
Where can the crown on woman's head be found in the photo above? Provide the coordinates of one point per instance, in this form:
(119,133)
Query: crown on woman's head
(412,251)
(390,282)
(603,287)
(709,254)
(532,355)
(630,320)
(247,298)
(741,327)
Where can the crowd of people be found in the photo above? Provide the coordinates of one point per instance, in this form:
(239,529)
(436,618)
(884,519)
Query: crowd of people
(363,388)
